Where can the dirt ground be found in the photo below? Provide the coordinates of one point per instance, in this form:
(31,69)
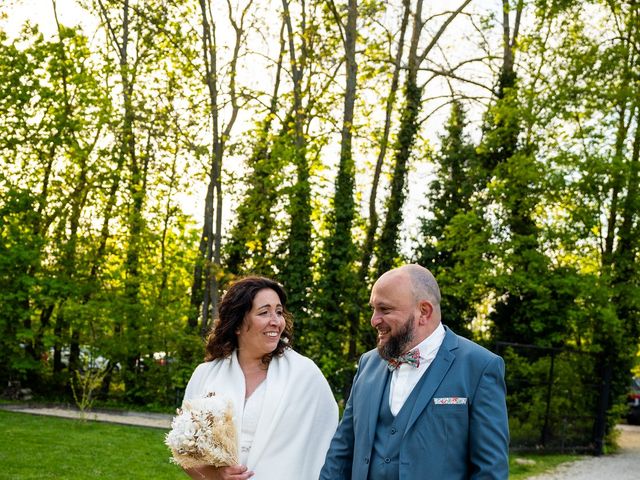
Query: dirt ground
(623,465)
(155,420)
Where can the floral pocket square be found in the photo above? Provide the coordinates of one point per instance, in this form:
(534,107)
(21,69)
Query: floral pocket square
(450,400)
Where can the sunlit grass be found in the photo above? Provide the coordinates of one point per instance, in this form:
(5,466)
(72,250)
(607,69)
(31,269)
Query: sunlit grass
(38,447)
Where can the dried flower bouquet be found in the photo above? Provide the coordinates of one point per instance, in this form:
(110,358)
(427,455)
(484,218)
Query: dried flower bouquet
(203,433)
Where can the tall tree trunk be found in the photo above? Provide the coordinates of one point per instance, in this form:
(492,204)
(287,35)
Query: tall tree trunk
(337,295)
(387,250)
(99,256)
(207,268)
(255,216)
(369,242)
(129,325)
(626,266)
(297,268)
(346,181)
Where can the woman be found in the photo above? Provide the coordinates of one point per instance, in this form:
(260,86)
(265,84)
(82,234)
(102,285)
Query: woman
(284,410)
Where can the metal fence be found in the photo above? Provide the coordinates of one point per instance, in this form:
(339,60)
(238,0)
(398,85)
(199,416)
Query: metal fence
(555,402)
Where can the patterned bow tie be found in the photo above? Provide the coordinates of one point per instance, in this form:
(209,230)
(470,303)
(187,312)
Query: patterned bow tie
(411,358)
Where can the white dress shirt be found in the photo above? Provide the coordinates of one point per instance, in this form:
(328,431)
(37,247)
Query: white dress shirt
(405,377)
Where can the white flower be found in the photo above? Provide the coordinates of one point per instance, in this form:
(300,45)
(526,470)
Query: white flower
(204,432)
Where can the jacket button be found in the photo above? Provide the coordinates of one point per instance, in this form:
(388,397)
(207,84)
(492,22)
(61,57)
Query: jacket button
(387,460)
(393,431)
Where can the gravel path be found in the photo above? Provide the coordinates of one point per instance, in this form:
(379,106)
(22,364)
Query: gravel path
(624,465)
(155,420)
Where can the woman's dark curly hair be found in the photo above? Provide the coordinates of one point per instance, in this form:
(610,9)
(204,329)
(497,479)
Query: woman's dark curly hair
(235,304)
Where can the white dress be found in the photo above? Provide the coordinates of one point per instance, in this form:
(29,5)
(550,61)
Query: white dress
(250,417)
(297,419)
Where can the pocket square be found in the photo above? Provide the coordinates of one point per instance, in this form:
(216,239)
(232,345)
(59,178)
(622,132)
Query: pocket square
(450,400)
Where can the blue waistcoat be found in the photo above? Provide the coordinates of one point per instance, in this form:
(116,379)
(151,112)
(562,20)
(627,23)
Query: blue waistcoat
(385,454)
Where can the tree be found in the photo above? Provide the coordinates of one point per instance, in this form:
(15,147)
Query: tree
(250,245)
(19,258)
(524,310)
(372,226)
(65,101)
(337,295)
(597,156)
(207,269)
(296,269)
(450,195)
(387,248)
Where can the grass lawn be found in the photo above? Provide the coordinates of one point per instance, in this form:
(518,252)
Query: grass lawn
(518,471)
(38,447)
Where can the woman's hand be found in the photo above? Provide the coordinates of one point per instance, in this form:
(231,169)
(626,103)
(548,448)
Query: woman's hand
(236,472)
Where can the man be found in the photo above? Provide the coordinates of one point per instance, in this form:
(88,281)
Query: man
(440,416)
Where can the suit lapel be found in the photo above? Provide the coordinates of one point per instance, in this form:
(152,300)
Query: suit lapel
(374,394)
(437,370)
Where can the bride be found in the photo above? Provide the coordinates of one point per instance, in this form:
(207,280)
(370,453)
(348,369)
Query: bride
(284,410)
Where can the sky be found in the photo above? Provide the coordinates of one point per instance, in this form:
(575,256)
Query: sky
(41,13)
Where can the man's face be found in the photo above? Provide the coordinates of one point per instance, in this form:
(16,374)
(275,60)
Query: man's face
(394,310)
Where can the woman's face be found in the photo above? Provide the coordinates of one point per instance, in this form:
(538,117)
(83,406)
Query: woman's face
(262,325)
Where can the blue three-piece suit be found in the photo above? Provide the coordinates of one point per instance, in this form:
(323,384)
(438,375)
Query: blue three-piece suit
(453,425)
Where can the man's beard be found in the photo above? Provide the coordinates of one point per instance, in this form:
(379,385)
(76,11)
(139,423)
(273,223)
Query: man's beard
(397,343)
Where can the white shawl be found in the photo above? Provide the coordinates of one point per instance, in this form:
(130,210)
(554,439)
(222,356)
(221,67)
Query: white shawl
(298,419)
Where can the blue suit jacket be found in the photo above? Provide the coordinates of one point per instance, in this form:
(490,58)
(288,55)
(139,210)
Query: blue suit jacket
(445,438)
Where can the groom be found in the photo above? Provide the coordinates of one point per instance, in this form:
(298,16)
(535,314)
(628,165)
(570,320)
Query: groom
(426,404)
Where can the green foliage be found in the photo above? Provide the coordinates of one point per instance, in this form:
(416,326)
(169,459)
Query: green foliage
(449,198)
(251,241)
(594,146)
(335,327)
(296,267)
(86,383)
(387,245)
(551,404)
(64,214)
(19,258)
(532,230)
(536,250)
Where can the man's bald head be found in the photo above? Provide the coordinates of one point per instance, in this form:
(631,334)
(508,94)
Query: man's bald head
(423,284)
